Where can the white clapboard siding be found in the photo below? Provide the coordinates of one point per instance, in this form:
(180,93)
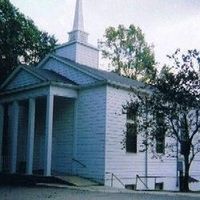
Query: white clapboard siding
(80,53)
(68,51)
(127,165)
(68,71)
(87,55)
(21,79)
(62,149)
(90,130)
(22,135)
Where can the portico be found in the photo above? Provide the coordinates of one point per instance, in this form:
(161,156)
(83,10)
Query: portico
(23,119)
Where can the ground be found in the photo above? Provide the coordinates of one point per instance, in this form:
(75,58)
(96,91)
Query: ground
(70,193)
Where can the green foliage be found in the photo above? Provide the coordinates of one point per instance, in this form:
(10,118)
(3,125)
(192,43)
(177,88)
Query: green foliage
(20,40)
(128,52)
(176,97)
(141,106)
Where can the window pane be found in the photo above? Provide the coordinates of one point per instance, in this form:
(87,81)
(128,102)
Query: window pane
(131,138)
(160,133)
(160,147)
(131,115)
(160,141)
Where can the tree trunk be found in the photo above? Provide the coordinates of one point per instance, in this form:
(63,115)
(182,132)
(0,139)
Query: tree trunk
(185,179)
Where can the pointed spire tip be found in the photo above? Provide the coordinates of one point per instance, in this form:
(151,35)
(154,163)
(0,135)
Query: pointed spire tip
(78,18)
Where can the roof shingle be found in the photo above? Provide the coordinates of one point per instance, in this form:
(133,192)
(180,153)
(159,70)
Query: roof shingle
(105,75)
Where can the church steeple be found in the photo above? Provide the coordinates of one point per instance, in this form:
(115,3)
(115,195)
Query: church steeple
(77,48)
(78,17)
(78,34)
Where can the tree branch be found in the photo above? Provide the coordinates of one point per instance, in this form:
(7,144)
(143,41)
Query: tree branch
(174,130)
(197,126)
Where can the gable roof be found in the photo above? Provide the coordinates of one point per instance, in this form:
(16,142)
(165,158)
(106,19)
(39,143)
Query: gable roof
(101,75)
(50,75)
(104,75)
(41,75)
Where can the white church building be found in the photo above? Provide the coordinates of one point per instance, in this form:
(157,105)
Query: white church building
(65,116)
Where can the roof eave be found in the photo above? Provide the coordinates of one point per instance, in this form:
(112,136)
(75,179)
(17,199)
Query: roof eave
(116,85)
(44,84)
(130,88)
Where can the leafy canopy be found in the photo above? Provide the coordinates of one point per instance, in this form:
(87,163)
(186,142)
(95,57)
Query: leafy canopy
(128,53)
(176,97)
(20,40)
(179,100)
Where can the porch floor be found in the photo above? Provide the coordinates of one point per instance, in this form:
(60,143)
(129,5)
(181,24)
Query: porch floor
(29,180)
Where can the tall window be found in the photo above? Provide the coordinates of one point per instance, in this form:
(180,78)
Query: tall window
(160,133)
(131,133)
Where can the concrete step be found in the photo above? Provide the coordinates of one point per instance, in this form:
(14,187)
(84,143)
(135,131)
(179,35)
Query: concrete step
(77,181)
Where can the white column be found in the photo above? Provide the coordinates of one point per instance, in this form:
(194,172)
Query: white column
(1,132)
(48,135)
(14,133)
(30,138)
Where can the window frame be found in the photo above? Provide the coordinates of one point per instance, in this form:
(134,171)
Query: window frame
(160,134)
(131,120)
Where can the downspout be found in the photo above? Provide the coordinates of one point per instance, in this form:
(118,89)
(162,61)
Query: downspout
(146,150)
(146,164)
(177,163)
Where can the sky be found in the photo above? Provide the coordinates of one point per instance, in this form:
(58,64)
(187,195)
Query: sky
(167,24)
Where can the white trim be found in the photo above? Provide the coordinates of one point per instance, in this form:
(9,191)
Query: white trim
(25,94)
(63,92)
(16,71)
(10,77)
(39,85)
(40,64)
(75,136)
(74,42)
(48,135)
(42,89)
(105,137)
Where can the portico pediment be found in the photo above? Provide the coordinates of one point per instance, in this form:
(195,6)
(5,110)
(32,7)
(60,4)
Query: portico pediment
(21,77)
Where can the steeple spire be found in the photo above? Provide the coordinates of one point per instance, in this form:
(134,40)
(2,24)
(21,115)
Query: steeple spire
(78,34)
(78,17)
(77,48)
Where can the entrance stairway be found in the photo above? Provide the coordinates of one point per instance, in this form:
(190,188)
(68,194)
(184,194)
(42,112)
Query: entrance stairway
(77,181)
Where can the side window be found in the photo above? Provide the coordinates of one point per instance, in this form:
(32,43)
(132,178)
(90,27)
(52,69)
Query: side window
(160,133)
(131,133)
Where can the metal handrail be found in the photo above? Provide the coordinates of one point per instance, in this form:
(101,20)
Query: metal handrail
(117,178)
(79,162)
(138,177)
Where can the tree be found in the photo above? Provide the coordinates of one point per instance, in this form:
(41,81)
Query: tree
(129,54)
(20,40)
(175,97)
